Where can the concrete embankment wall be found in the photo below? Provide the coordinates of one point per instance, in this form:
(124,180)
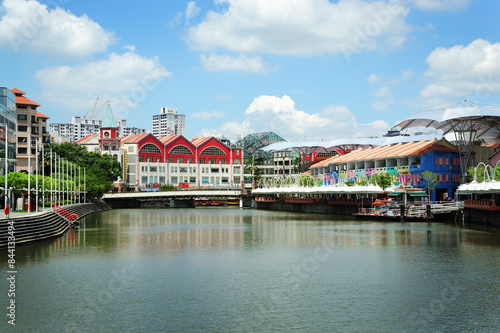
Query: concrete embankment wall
(308,208)
(33,227)
(483,217)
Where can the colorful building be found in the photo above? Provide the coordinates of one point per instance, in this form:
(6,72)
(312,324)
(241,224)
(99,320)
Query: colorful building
(31,131)
(149,161)
(405,162)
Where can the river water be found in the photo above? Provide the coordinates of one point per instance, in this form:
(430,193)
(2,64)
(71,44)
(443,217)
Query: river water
(243,270)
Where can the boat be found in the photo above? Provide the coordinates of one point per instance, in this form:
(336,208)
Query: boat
(233,202)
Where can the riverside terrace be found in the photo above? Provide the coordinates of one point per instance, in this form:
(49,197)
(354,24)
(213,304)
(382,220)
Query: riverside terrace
(405,162)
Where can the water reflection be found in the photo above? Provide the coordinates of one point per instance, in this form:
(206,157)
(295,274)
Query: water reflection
(241,270)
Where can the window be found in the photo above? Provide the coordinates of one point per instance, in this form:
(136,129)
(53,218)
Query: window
(180,160)
(236,169)
(213,161)
(141,158)
(162,179)
(441,161)
(158,159)
(455,161)
(144,179)
(237,161)
(189,160)
(455,178)
(192,179)
(150,179)
(149,158)
(202,161)
(181,150)
(213,170)
(22,150)
(21,139)
(22,117)
(204,180)
(237,152)
(183,169)
(153,169)
(150,148)
(222,161)
(225,180)
(170,160)
(443,177)
(174,180)
(22,128)
(213,151)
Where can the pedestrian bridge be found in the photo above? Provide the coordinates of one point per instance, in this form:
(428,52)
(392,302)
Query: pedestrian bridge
(159,199)
(173,194)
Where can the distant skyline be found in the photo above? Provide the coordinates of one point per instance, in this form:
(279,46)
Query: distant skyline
(313,69)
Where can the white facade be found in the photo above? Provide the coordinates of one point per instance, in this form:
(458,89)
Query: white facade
(80,128)
(169,122)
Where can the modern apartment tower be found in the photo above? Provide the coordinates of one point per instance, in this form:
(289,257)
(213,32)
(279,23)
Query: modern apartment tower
(169,122)
(79,128)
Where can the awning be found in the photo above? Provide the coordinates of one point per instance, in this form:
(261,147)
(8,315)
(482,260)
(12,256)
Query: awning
(395,194)
(417,194)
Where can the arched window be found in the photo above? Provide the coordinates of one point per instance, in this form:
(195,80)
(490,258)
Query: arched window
(181,150)
(213,151)
(150,148)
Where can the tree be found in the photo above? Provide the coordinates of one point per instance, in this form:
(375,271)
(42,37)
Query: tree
(101,169)
(430,181)
(383,180)
(251,167)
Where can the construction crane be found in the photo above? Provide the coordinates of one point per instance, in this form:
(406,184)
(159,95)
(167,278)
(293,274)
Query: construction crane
(92,114)
(95,115)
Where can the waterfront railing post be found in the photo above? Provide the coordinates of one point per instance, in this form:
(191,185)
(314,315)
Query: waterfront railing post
(51,172)
(29,173)
(43,178)
(36,175)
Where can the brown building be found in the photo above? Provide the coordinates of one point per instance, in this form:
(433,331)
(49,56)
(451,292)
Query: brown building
(31,124)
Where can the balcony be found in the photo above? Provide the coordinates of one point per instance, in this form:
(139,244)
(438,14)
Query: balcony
(392,170)
(403,169)
(415,167)
(381,170)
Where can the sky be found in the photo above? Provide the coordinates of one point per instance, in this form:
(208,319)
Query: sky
(305,69)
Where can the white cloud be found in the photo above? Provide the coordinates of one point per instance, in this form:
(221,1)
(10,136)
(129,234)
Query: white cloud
(462,72)
(373,79)
(242,63)
(29,26)
(301,27)
(279,114)
(124,79)
(380,105)
(441,4)
(191,10)
(207,115)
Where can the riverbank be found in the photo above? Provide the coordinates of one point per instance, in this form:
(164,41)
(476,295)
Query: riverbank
(25,228)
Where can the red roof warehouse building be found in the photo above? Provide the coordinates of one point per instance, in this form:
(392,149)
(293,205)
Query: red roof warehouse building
(147,160)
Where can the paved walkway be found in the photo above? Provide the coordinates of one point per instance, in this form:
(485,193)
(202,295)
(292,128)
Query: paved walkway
(21,214)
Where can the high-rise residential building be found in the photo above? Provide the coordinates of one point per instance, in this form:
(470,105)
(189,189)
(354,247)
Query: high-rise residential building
(169,122)
(7,130)
(79,128)
(31,132)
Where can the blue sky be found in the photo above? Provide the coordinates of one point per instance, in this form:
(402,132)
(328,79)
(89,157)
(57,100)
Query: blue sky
(313,69)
